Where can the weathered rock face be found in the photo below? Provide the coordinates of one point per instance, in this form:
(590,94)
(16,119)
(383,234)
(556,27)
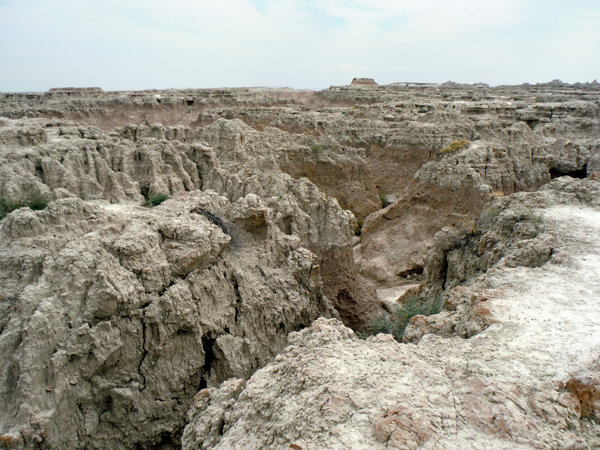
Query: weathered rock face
(395,239)
(521,137)
(228,157)
(107,110)
(451,191)
(114,316)
(510,232)
(495,370)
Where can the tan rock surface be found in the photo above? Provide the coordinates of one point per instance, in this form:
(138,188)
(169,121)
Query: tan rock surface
(229,157)
(114,315)
(281,166)
(504,387)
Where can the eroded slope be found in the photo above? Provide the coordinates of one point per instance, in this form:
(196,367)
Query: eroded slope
(520,383)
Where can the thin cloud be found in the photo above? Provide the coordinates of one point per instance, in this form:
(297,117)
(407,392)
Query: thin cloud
(153,44)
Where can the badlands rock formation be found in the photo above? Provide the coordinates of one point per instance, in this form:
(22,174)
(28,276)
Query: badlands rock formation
(526,379)
(114,315)
(135,162)
(363,82)
(520,137)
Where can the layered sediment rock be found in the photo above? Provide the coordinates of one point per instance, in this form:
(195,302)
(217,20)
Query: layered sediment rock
(492,371)
(520,138)
(114,315)
(363,82)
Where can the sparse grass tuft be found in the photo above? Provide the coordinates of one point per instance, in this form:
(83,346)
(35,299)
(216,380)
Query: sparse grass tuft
(396,324)
(455,146)
(36,202)
(316,149)
(156,200)
(385,200)
(362,335)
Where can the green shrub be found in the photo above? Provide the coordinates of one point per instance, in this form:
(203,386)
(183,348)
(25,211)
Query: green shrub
(385,200)
(317,149)
(36,202)
(362,335)
(7,206)
(397,322)
(156,200)
(456,145)
(358,226)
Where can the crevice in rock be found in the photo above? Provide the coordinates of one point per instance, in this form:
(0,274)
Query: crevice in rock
(166,441)
(209,358)
(221,429)
(105,406)
(286,225)
(144,191)
(146,345)
(238,298)
(581,174)
(415,272)
(532,123)
(166,288)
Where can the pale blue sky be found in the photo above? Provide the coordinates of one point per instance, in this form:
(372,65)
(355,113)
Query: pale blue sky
(137,44)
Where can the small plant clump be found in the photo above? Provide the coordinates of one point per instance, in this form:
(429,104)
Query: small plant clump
(385,200)
(358,227)
(397,323)
(36,202)
(455,146)
(157,199)
(316,149)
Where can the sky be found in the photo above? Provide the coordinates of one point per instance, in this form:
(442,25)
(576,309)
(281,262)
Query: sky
(304,44)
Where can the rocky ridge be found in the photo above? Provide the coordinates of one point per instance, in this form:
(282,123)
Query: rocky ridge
(132,163)
(135,309)
(526,379)
(114,314)
(520,137)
